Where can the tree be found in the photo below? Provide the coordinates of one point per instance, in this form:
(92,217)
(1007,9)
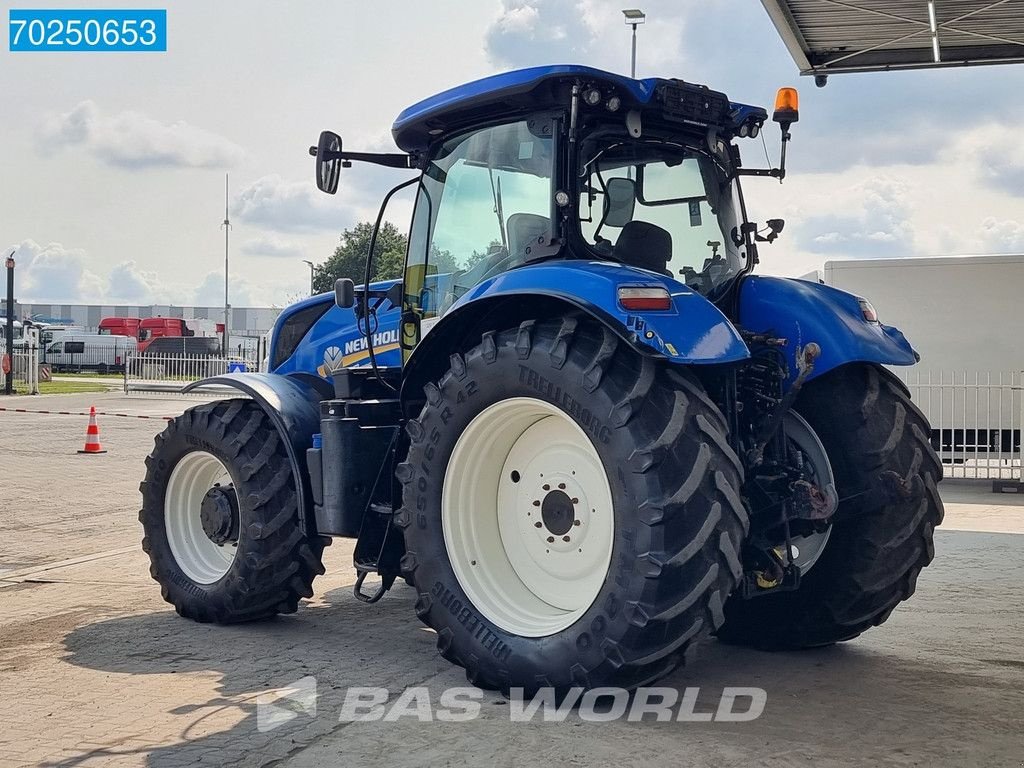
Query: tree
(444,261)
(349,258)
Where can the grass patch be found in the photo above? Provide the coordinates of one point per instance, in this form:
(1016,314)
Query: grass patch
(89,375)
(67,388)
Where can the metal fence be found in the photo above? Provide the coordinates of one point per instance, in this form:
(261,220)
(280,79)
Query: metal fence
(169,373)
(26,370)
(84,360)
(976,420)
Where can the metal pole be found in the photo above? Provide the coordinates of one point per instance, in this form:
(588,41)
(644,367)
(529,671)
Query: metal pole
(227,306)
(632,61)
(9,383)
(310,263)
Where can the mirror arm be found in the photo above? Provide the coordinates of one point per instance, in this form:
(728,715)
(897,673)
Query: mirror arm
(389,159)
(775,173)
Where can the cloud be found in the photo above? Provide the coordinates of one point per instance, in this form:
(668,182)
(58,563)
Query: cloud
(127,283)
(243,293)
(210,292)
(268,245)
(996,236)
(535,32)
(871,218)
(528,31)
(132,140)
(53,273)
(289,206)
(997,155)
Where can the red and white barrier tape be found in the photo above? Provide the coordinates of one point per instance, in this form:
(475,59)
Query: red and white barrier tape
(86,413)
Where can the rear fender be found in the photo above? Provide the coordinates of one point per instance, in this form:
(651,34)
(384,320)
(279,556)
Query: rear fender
(802,312)
(693,332)
(293,405)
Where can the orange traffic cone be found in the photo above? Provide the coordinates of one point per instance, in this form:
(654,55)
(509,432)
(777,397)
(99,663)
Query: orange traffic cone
(92,434)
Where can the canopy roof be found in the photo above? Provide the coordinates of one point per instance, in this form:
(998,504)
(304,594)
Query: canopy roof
(536,88)
(831,36)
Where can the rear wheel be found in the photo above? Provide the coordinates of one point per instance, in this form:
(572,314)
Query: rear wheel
(877,446)
(220,517)
(570,510)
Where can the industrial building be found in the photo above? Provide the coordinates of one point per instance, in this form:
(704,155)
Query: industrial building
(244,321)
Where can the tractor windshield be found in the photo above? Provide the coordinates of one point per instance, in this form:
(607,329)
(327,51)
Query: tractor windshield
(662,206)
(484,198)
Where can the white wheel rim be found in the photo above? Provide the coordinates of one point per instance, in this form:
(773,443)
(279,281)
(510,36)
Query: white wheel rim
(521,462)
(199,558)
(807,549)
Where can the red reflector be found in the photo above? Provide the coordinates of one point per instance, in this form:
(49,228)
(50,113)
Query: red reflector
(644,299)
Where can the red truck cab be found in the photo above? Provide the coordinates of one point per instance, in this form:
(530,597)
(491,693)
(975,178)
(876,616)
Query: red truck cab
(155,327)
(120,326)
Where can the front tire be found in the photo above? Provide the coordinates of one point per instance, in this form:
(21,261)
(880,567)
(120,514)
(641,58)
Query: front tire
(880,539)
(221,519)
(570,510)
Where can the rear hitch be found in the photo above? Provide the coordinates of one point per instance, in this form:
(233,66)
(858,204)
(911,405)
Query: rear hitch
(771,574)
(386,582)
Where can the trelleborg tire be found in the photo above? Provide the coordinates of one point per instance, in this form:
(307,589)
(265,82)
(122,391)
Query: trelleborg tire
(570,509)
(879,541)
(244,556)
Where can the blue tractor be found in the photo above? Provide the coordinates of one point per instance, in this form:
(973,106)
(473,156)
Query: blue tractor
(579,426)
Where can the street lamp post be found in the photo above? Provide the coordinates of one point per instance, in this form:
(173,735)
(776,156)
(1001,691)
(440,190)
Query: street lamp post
(9,383)
(227,306)
(634,17)
(311,269)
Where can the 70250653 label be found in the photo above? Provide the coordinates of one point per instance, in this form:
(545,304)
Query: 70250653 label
(76,30)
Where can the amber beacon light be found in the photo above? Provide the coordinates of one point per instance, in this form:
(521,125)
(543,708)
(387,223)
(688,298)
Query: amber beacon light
(787,106)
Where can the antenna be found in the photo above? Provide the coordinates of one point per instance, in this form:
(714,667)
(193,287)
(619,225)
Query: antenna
(227,307)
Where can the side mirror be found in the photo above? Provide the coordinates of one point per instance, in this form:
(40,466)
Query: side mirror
(328,161)
(344,293)
(619,201)
(775,227)
(395,294)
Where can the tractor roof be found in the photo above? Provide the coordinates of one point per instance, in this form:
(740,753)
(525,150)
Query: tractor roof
(521,91)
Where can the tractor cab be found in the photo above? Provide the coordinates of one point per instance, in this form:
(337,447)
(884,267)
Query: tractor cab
(568,163)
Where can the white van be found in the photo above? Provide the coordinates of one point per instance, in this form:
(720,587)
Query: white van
(89,352)
(50,332)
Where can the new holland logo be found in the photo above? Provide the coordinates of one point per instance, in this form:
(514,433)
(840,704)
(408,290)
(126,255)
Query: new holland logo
(333,359)
(380,340)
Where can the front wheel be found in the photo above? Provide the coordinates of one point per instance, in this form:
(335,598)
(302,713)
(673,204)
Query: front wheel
(221,519)
(570,510)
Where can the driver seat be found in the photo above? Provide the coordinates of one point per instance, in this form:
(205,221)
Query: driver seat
(644,245)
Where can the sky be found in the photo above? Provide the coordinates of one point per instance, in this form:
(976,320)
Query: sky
(112,165)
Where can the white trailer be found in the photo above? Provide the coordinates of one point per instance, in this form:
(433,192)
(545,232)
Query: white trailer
(965,317)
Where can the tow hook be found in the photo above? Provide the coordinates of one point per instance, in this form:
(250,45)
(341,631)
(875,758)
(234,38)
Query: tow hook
(386,583)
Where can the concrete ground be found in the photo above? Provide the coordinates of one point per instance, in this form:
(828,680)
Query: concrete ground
(95,669)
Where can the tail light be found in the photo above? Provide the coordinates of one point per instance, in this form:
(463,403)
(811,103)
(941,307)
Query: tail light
(867,311)
(644,298)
